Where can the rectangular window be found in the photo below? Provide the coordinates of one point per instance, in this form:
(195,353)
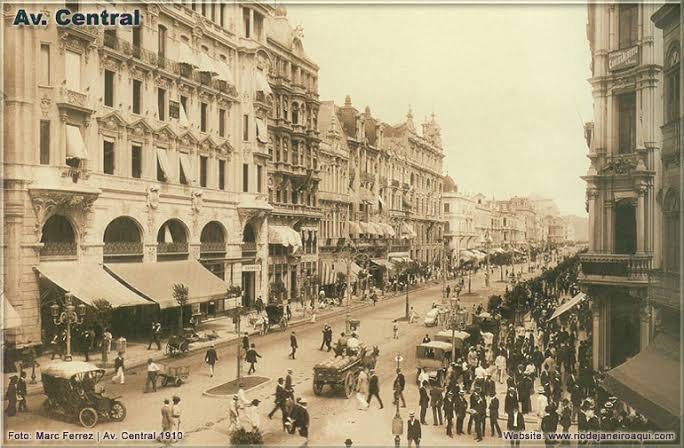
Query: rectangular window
(72,62)
(161,40)
(222,13)
(446,208)
(258,179)
(136,161)
(137,37)
(245,21)
(222,174)
(245,128)
(183,179)
(222,122)
(161,103)
(203,117)
(137,96)
(44,65)
(626,123)
(110,39)
(108,157)
(203,171)
(109,88)
(672,96)
(628,24)
(245,177)
(44,142)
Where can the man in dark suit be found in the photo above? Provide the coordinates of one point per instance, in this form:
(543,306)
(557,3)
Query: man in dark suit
(494,414)
(293,345)
(399,385)
(436,404)
(423,402)
(448,407)
(374,388)
(480,409)
(280,397)
(516,423)
(489,386)
(413,430)
(210,358)
(460,406)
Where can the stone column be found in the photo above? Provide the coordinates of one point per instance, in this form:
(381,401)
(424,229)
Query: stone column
(640,221)
(592,194)
(645,326)
(596,335)
(609,213)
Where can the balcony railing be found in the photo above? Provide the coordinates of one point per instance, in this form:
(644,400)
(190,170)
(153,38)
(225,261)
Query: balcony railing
(58,249)
(607,267)
(664,288)
(212,246)
(123,248)
(249,249)
(172,248)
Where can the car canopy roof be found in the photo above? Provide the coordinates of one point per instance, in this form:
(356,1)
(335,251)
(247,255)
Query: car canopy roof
(436,344)
(67,369)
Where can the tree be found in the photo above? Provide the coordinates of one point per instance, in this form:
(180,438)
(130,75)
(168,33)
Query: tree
(99,314)
(180,294)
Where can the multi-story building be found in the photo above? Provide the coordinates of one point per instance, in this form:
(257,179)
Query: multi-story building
(623,180)
(288,126)
(333,194)
(556,229)
(524,209)
(657,199)
(512,225)
(416,185)
(459,214)
(144,149)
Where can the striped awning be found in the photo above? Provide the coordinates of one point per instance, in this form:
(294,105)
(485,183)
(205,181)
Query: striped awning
(330,270)
(285,236)
(10,317)
(407,231)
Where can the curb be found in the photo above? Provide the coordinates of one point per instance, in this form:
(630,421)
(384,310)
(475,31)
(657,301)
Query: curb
(268,381)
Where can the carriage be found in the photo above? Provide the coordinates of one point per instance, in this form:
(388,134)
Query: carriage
(72,391)
(342,372)
(433,358)
(177,345)
(276,315)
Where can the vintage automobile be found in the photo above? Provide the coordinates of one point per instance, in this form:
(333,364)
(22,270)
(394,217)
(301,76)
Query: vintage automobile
(276,316)
(434,357)
(456,337)
(434,317)
(72,391)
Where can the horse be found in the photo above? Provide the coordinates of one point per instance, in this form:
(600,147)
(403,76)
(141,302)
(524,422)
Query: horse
(369,360)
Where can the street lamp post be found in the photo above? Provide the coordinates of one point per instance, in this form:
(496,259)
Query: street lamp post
(397,422)
(71,315)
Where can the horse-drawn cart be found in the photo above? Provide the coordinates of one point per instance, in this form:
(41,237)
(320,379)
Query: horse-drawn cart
(341,372)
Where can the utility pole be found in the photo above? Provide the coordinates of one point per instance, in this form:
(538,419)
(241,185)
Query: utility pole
(239,346)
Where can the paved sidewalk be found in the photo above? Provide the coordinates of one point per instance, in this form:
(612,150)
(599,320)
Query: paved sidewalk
(137,353)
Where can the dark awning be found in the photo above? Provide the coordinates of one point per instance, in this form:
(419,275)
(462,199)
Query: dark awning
(567,306)
(649,382)
(156,280)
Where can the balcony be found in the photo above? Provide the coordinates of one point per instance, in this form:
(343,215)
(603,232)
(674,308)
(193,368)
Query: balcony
(208,247)
(664,289)
(249,250)
(615,269)
(172,248)
(74,101)
(123,248)
(367,178)
(58,249)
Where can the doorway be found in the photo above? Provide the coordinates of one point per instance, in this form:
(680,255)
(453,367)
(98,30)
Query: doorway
(248,289)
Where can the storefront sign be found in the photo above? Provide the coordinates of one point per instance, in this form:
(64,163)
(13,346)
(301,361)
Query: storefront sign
(622,59)
(251,268)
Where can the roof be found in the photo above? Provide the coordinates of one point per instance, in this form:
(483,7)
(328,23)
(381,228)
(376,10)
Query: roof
(67,369)
(89,282)
(449,186)
(649,382)
(156,280)
(436,344)
(458,334)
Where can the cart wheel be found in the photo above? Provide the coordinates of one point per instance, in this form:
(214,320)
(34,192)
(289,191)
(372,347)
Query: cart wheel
(178,382)
(88,417)
(184,346)
(168,349)
(117,412)
(349,382)
(317,388)
(165,381)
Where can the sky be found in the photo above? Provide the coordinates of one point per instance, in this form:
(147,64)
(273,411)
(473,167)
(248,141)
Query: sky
(508,85)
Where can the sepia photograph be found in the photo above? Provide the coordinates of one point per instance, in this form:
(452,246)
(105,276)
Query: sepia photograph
(292,223)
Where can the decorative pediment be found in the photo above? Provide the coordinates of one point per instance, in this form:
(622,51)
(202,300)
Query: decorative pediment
(111,121)
(76,204)
(165,134)
(140,128)
(187,139)
(208,144)
(110,63)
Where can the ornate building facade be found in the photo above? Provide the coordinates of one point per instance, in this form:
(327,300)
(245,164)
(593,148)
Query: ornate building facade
(623,178)
(292,159)
(151,147)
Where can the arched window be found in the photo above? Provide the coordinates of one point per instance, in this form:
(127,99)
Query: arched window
(213,250)
(58,238)
(671,231)
(672,86)
(122,241)
(248,235)
(172,241)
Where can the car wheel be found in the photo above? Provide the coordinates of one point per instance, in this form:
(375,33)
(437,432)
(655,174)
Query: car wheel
(88,417)
(117,412)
